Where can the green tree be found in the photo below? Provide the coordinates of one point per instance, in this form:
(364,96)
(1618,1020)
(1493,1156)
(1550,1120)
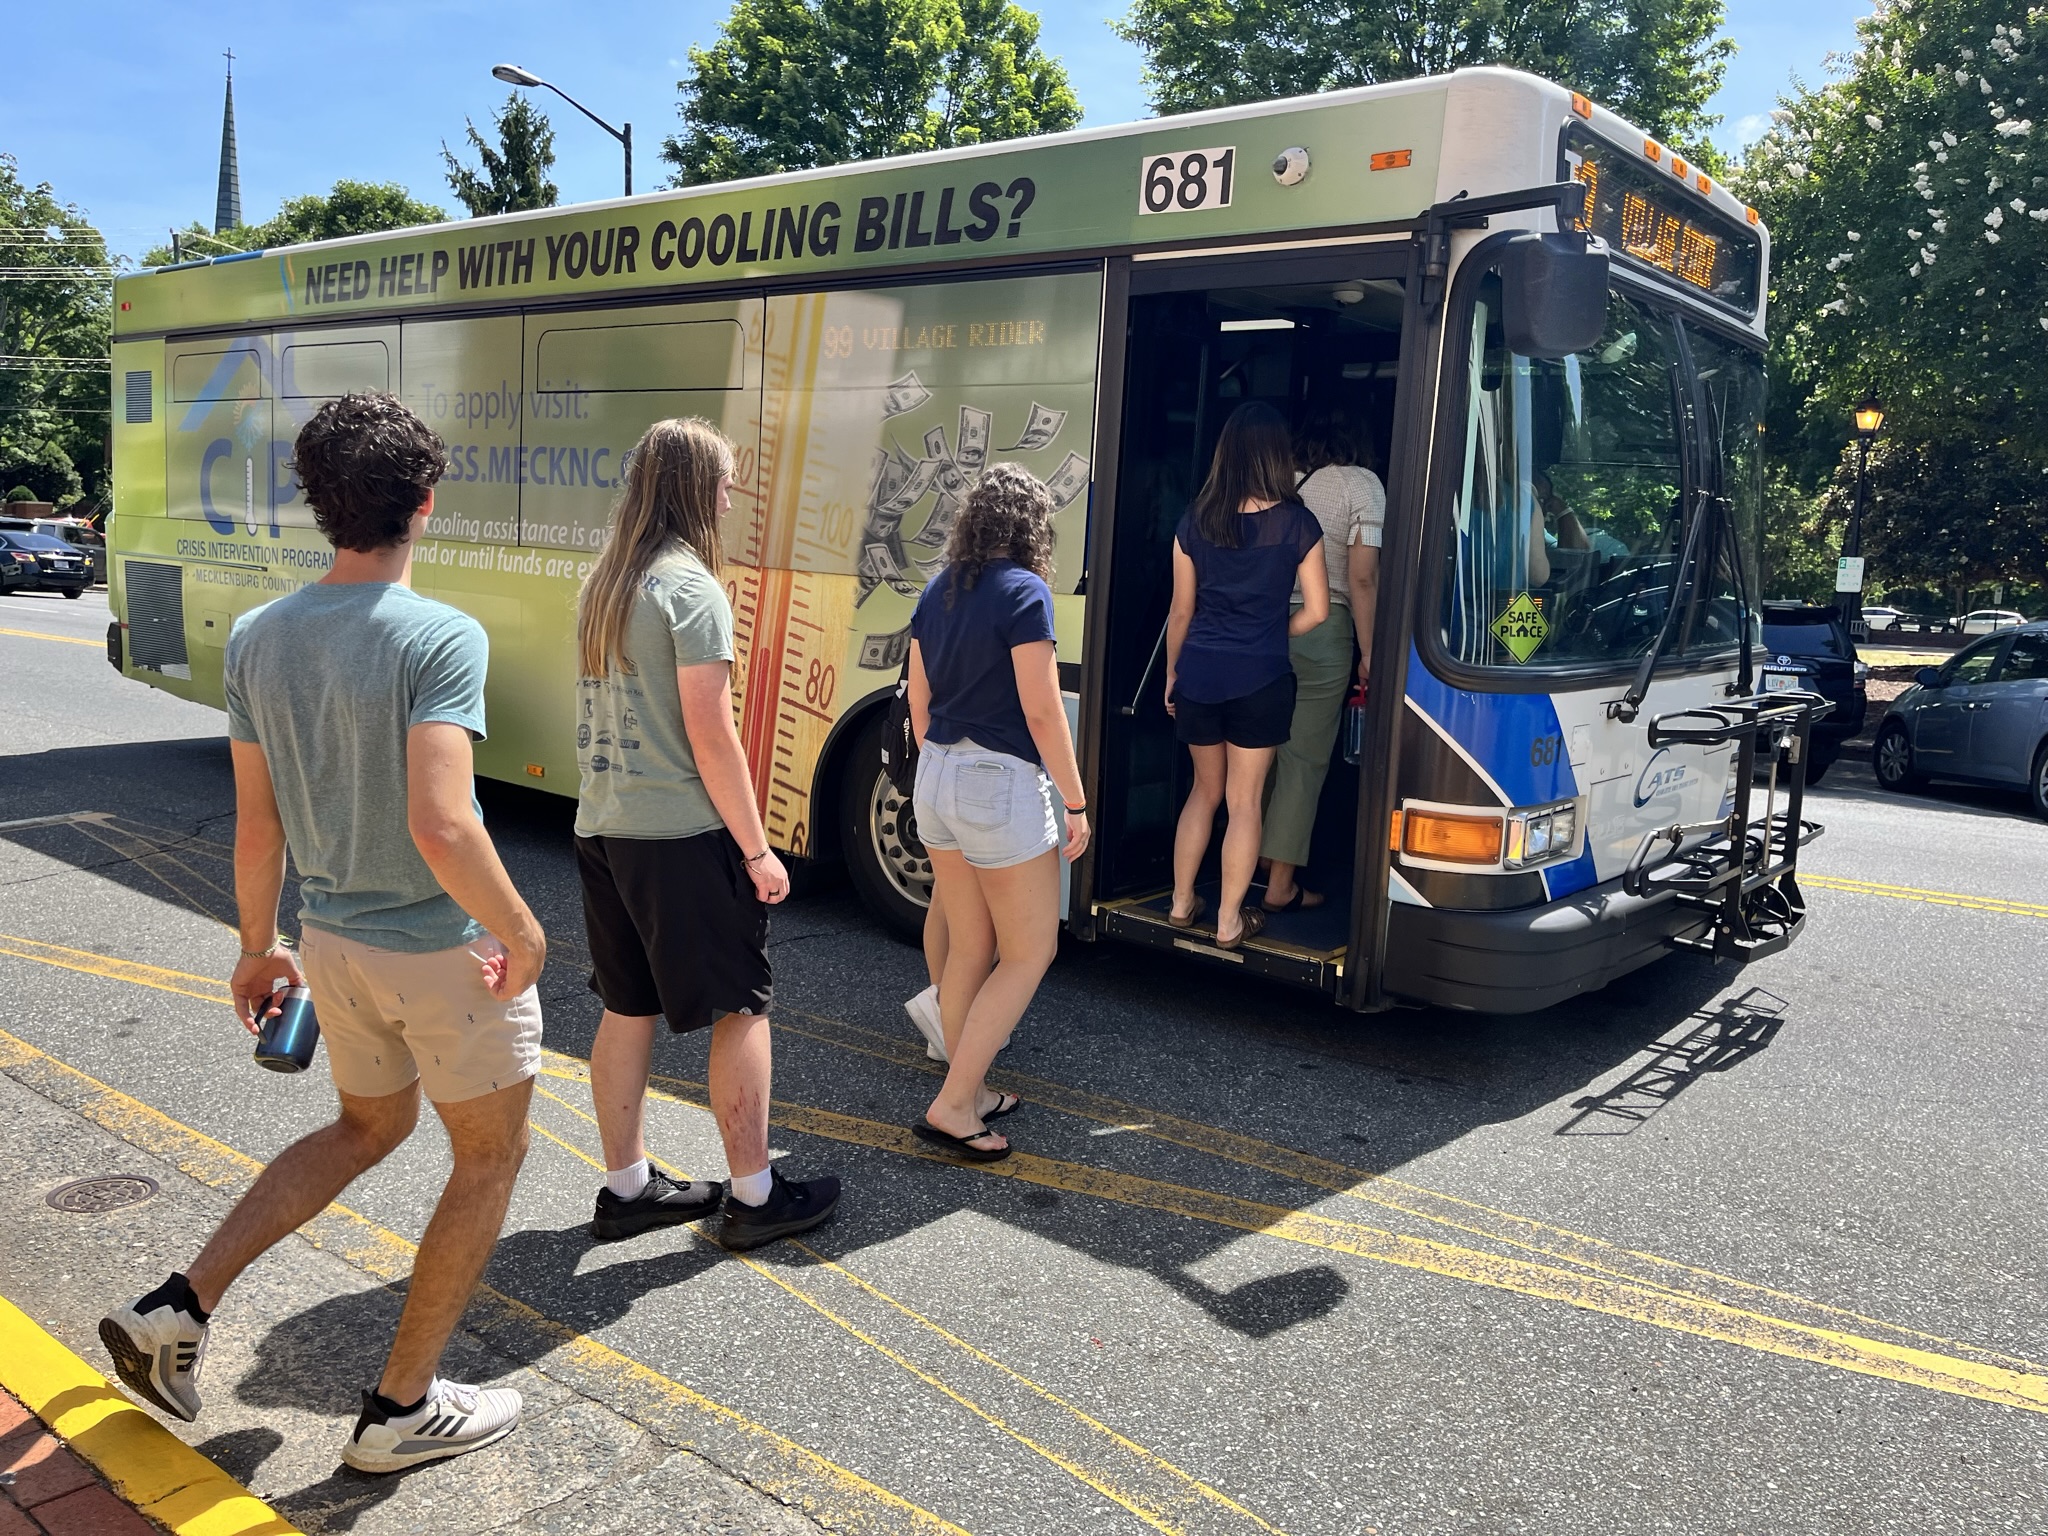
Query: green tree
(1908,205)
(514,175)
(55,329)
(796,83)
(351,208)
(1654,61)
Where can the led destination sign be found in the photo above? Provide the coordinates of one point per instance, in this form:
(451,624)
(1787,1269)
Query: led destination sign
(1645,215)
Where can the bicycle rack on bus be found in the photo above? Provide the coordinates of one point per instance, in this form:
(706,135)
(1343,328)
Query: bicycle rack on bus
(1743,871)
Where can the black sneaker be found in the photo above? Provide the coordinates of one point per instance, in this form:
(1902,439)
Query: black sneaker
(789,1209)
(665,1202)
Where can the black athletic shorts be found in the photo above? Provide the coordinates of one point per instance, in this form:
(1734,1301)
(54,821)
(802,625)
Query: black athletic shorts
(675,928)
(1262,719)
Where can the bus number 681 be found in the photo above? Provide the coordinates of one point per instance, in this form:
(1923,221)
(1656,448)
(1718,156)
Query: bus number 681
(1183,183)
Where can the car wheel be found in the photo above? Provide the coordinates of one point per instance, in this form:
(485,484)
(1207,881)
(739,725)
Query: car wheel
(2037,782)
(878,834)
(1892,758)
(74,592)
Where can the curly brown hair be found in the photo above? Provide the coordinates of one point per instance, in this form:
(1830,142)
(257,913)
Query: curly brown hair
(366,464)
(1008,516)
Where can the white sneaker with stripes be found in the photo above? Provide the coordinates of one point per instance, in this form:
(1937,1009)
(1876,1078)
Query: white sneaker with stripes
(455,1418)
(924,1013)
(158,1355)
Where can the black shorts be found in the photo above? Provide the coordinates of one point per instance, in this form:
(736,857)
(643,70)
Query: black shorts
(1262,719)
(675,928)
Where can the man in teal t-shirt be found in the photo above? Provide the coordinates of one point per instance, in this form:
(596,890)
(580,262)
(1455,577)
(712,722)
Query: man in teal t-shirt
(353,708)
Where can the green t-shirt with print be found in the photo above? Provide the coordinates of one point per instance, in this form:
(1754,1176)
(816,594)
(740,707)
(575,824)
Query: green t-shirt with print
(640,776)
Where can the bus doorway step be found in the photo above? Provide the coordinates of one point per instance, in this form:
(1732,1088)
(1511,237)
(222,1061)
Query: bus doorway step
(1303,948)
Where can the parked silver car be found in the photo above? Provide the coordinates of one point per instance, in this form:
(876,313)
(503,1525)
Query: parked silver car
(1981,716)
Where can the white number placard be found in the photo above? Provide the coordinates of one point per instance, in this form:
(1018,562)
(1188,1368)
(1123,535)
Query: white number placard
(1186,181)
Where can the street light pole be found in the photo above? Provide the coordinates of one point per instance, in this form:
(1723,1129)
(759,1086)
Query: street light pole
(512,74)
(1849,573)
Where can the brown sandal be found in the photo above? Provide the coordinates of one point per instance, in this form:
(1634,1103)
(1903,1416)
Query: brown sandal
(1254,924)
(1194,914)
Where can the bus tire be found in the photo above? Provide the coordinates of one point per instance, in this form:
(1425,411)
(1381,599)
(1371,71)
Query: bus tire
(1892,758)
(878,838)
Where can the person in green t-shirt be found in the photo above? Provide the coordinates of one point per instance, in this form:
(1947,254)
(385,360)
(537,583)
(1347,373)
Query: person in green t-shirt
(676,868)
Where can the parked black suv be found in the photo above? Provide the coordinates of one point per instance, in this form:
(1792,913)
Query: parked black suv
(1809,648)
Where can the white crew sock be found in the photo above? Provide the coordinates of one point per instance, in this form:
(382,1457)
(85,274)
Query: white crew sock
(753,1188)
(627,1183)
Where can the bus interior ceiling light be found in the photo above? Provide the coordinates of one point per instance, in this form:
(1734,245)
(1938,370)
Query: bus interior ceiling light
(1349,293)
(1257,325)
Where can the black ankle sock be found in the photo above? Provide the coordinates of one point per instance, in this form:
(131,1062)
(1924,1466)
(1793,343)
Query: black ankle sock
(396,1410)
(174,1292)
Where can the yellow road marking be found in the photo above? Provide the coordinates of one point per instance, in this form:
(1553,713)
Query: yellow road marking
(1155,1510)
(150,1468)
(775,1464)
(36,634)
(1913,893)
(1660,1306)
(1546,1239)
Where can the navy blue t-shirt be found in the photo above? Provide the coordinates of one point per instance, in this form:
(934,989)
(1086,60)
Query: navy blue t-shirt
(1237,641)
(966,649)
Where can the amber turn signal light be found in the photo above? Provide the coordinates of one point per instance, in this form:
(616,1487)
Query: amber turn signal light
(1450,838)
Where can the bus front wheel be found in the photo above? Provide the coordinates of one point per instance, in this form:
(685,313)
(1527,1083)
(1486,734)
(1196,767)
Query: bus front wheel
(885,859)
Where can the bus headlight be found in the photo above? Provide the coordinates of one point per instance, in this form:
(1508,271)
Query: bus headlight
(1541,835)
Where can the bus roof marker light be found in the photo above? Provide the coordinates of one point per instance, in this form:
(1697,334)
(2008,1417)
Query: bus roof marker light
(1582,106)
(1752,214)
(1653,149)
(1679,168)
(1705,183)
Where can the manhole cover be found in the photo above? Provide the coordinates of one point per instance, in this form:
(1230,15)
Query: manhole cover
(108,1192)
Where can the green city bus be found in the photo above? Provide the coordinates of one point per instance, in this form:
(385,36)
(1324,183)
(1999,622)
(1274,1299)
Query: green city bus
(1497,279)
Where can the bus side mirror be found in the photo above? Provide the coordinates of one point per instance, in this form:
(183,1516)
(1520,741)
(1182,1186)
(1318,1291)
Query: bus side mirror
(1553,294)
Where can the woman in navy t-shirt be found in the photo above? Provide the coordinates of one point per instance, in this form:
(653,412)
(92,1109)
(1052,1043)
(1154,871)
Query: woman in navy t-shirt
(985,703)
(1237,556)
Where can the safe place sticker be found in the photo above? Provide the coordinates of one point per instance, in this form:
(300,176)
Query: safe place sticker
(1522,628)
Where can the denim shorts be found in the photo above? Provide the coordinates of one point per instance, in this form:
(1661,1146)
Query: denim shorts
(995,809)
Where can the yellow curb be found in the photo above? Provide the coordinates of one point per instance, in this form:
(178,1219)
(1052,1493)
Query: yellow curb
(150,1467)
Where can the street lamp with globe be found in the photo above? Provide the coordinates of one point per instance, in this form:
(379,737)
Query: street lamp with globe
(1869,415)
(512,74)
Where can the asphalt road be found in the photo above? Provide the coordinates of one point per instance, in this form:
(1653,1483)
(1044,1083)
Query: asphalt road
(1713,1251)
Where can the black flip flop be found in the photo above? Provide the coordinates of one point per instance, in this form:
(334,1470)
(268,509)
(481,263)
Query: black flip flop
(1294,903)
(1001,1108)
(959,1146)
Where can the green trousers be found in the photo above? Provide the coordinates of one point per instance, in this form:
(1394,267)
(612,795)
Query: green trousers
(1322,672)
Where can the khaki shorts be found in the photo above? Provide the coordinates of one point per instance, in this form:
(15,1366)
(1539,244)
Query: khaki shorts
(390,1018)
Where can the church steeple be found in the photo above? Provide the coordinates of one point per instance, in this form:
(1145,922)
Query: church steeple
(227,205)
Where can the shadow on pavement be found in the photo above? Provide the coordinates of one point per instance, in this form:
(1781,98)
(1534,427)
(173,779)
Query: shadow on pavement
(1205,1042)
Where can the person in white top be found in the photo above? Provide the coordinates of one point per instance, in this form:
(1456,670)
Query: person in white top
(1348,500)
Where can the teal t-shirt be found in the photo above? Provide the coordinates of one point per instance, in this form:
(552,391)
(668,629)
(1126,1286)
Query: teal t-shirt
(640,776)
(328,681)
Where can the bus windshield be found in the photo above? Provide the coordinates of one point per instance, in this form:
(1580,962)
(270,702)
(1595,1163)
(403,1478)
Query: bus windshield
(1568,510)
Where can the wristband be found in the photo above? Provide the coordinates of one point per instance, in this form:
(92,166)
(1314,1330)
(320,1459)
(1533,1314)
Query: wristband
(1074,809)
(262,954)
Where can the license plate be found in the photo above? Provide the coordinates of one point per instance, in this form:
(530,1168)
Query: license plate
(1779,682)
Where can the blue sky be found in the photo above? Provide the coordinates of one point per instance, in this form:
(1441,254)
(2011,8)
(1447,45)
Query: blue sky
(117,104)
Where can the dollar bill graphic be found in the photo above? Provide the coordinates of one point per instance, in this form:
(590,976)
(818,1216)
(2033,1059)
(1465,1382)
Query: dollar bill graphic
(905,394)
(885,653)
(914,488)
(935,445)
(975,429)
(881,563)
(1040,430)
(1069,480)
(939,526)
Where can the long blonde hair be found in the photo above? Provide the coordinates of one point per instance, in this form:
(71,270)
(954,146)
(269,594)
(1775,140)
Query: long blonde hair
(670,497)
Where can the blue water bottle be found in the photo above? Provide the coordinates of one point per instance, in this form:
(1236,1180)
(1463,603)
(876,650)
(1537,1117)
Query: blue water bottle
(287,1041)
(1354,725)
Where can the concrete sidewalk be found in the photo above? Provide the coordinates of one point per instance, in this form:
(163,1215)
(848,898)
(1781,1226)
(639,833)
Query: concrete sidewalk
(296,1340)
